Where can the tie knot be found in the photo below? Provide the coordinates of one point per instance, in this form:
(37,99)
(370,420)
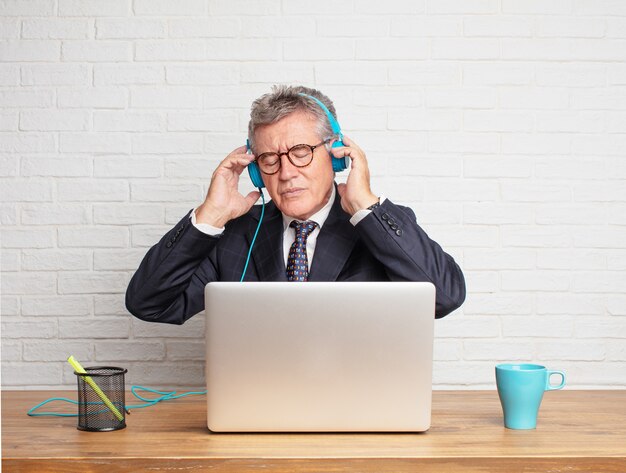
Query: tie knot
(303,229)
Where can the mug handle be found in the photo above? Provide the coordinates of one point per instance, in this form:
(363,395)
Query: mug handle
(550,387)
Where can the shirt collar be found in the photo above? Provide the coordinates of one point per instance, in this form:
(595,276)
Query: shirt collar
(319,217)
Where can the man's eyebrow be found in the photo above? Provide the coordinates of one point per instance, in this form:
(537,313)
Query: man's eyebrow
(267,152)
(276,152)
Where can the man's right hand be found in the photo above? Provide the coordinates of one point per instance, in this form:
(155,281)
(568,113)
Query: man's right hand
(223,201)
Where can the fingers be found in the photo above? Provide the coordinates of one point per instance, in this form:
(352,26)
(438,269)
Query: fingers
(341,151)
(350,149)
(358,183)
(355,154)
(237,162)
(240,152)
(347,141)
(252,197)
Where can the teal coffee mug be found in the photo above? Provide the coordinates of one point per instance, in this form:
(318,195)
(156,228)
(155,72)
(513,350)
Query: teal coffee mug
(521,388)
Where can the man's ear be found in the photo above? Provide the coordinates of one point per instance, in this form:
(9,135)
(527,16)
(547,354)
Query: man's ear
(329,145)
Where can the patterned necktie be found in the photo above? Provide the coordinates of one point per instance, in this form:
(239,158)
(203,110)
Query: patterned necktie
(297,262)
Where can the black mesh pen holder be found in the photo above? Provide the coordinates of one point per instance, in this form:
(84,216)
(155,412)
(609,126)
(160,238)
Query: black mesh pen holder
(101,401)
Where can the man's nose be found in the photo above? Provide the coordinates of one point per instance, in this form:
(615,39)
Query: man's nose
(287,170)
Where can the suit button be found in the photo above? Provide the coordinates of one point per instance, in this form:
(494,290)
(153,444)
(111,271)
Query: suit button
(399,232)
(168,244)
(394,227)
(384,216)
(391,221)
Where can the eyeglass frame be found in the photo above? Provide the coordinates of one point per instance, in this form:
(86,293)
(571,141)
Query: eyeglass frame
(279,155)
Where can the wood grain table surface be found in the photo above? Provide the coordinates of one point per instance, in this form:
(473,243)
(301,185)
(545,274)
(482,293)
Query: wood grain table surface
(577,431)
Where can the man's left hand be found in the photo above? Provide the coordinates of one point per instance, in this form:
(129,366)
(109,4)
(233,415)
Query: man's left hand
(355,193)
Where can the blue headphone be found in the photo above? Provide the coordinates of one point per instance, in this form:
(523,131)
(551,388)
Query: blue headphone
(339,164)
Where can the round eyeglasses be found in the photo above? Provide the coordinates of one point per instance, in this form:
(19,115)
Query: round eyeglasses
(299,155)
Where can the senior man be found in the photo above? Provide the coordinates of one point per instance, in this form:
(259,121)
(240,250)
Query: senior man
(312,230)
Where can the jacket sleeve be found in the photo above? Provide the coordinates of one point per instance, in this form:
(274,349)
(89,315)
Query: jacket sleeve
(169,284)
(393,236)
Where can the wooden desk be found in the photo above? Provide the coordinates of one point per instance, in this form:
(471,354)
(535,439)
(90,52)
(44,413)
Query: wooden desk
(577,431)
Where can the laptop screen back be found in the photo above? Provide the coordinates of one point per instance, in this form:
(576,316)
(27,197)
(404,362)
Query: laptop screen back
(319,356)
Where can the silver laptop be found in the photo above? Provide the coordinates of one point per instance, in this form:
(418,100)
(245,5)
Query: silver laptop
(319,356)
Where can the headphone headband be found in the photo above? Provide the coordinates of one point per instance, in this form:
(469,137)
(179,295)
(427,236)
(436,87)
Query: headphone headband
(333,122)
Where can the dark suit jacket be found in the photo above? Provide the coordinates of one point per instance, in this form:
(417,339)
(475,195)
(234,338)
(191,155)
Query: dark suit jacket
(387,245)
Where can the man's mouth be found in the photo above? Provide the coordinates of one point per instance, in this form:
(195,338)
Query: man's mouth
(292,192)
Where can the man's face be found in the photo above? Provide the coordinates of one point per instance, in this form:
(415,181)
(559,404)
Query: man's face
(297,192)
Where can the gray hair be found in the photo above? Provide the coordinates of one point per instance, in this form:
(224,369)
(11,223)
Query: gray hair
(284,100)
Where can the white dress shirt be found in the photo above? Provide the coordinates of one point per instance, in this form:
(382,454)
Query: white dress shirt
(289,234)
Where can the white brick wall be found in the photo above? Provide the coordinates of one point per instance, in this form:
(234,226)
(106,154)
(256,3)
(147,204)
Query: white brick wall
(502,123)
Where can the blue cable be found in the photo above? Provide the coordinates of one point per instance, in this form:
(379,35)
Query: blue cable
(31,412)
(164,396)
(243,274)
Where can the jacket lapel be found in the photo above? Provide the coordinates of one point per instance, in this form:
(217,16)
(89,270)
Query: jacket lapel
(267,253)
(334,244)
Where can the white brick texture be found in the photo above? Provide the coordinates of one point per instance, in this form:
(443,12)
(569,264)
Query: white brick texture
(501,123)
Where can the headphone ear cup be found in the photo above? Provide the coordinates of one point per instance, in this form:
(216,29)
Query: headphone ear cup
(339,164)
(255,175)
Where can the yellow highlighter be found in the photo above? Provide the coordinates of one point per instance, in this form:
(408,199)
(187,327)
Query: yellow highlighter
(107,402)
